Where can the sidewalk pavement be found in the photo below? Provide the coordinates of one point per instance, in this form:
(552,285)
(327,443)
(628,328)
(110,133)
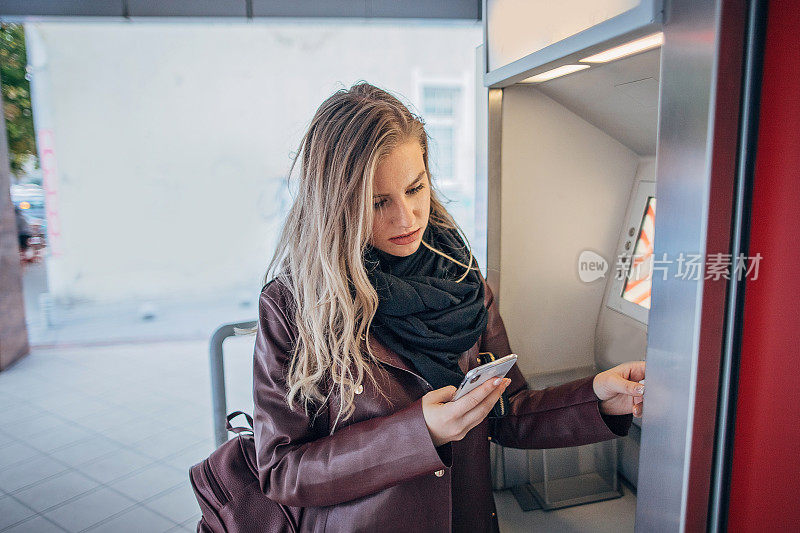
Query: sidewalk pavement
(101,438)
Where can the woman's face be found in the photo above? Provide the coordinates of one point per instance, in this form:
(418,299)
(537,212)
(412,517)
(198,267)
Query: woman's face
(401,199)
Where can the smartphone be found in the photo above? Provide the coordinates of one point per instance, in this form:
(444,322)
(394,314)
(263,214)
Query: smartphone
(478,375)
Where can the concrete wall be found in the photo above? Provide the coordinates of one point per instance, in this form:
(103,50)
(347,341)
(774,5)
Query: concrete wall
(168,143)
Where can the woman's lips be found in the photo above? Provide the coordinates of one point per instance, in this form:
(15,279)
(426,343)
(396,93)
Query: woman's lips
(406,239)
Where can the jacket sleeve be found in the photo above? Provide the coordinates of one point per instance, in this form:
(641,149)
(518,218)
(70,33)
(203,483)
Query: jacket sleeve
(298,462)
(556,417)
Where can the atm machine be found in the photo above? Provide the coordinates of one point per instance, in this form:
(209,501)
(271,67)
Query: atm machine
(611,131)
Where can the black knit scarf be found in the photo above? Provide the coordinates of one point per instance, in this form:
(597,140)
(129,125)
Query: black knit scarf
(424,314)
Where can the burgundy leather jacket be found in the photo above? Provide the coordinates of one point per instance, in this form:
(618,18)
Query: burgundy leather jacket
(380,470)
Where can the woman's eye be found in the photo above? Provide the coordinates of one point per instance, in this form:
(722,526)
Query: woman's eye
(415,190)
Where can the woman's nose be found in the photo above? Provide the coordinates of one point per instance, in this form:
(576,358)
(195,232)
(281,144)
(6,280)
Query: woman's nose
(405,217)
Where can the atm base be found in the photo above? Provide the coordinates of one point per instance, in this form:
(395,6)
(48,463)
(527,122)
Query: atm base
(565,492)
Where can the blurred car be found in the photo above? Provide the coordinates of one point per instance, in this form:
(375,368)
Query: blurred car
(29,197)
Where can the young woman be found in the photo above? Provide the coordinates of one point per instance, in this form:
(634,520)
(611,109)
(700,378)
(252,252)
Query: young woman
(375,312)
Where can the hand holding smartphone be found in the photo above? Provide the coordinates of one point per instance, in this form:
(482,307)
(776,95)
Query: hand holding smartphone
(480,374)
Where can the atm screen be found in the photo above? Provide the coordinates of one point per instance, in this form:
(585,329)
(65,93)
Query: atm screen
(638,280)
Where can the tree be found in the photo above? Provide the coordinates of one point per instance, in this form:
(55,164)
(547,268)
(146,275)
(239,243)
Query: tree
(16,96)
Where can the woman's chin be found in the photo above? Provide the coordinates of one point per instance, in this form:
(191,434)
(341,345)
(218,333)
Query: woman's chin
(400,250)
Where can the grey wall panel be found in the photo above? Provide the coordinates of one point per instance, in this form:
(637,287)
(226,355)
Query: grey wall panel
(187,8)
(20,10)
(62,8)
(310,8)
(453,9)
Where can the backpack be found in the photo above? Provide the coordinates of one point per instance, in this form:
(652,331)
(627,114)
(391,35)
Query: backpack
(227,488)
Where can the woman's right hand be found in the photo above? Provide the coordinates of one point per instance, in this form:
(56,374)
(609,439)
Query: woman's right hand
(448,421)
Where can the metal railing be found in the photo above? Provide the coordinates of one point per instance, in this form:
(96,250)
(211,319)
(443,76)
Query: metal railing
(216,361)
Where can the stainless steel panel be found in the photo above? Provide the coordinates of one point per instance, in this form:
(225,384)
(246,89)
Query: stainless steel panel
(637,22)
(494,202)
(700,69)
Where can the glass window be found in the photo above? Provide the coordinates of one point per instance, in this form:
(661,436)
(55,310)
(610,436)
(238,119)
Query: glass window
(440,101)
(442,153)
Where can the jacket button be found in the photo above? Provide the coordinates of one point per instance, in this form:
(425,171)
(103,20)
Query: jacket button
(359,389)
(439,473)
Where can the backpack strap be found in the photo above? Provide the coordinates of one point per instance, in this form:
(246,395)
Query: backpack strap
(233,415)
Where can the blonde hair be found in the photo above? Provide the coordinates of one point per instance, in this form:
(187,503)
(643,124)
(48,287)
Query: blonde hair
(326,233)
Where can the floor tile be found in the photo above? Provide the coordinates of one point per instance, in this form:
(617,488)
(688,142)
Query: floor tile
(191,524)
(149,404)
(132,431)
(179,504)
(165,443)
(77,410)
(136,520)
(11,511)
(114,466)
(17,452)
(85,414)
(198,428)
(56,438)
(89,509)
(15,414)
(97,420)
(55,490)
(59,400)
(85,450)
(184,459)
(36,524)
(44,421)
(153,480)
(609,516)
(6,438)
(24,387)
(9,399)
(182,529)
(28,472)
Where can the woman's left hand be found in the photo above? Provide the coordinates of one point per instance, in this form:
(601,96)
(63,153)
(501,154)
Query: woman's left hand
(619,390)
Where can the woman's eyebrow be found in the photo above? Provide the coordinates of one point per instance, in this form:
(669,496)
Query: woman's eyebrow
(419,177)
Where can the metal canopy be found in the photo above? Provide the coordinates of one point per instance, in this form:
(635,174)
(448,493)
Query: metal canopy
(32,10)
